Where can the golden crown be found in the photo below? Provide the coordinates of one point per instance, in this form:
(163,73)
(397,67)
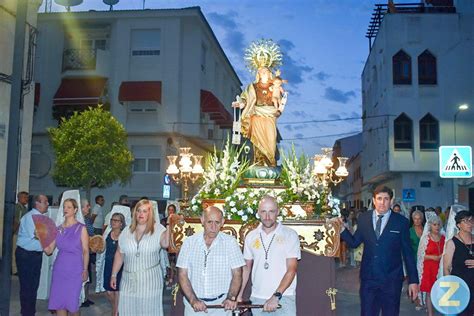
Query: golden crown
(263,53)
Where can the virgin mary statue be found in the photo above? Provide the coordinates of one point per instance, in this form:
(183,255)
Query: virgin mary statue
(259,114)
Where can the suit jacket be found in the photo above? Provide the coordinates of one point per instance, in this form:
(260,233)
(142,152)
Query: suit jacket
(382,258)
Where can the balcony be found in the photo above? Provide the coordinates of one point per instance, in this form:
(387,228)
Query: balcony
(79,59)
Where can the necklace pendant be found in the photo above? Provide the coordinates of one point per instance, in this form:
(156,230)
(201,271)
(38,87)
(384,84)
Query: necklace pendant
(137,254)
(266,265)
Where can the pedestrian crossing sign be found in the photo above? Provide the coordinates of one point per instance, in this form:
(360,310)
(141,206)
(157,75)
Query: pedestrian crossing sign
(455,161)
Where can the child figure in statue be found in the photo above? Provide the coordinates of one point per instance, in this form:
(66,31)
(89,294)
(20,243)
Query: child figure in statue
(277,93)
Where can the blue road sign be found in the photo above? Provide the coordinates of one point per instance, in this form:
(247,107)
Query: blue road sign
(455,161)
(408,195)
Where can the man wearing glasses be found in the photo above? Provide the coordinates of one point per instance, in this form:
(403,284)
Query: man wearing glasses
(29,255)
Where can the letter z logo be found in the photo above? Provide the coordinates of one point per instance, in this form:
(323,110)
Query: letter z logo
(445,299)
(450,295)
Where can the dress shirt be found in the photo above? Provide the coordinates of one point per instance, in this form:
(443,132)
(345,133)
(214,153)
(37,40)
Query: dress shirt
(26,233)
(210,269)
(385,218)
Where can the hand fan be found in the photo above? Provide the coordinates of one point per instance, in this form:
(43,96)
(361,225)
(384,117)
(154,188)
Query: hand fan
(97,244)
(46,229)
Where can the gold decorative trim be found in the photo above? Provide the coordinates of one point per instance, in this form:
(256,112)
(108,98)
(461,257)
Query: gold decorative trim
(318,237)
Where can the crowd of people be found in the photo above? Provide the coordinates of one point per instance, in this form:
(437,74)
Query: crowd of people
(77,263)
(132,265)
(392,244)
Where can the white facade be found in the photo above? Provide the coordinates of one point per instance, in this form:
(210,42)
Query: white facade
(174,47)
(449,38)
(7,39)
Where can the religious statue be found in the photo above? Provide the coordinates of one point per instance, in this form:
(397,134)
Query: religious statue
(262,101)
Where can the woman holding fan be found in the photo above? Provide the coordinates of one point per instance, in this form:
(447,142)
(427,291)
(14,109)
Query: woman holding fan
(70,266)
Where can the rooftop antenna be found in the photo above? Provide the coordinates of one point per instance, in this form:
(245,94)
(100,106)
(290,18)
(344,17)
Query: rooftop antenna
(111,3)
(68,3)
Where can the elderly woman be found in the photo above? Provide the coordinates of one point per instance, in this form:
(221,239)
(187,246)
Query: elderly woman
(416,230)
(430,251)
(139,252)
(458,258)
(70,266)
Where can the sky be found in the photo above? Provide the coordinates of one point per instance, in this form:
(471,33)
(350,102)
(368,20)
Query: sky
(324,48)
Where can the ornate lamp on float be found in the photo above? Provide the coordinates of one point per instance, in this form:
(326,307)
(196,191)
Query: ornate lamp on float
(186,171)
(324,171)
(325,174)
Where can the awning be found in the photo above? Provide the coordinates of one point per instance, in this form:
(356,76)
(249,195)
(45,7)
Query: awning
(218,113)
(37,94)
(80,91)
(140,91)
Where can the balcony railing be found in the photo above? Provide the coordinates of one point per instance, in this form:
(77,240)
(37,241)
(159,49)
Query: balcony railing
(79,59)
(380,10)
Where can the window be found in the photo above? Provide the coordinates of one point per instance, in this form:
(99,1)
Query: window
(210,134)
(429,132)
(149,165)
(427,68)
(203,57)
(403,127)
(425,184)
(146,159)
(145,42)
(139,165)
(94,44)
(142,108)
(401,68)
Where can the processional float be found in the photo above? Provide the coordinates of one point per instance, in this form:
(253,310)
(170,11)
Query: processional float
(237,177)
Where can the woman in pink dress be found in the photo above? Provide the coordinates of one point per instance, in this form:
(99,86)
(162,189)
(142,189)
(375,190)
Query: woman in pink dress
(70,266)
(430,252)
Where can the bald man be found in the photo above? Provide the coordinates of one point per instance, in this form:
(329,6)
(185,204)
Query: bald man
(271,253)
(210,268)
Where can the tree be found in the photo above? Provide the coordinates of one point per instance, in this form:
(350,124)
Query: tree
(91,151)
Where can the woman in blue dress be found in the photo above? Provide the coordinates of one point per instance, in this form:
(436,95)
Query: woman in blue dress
(117,223)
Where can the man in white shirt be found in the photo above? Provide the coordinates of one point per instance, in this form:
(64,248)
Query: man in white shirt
(98,214)
(271,254)
(29,257)
(210,268)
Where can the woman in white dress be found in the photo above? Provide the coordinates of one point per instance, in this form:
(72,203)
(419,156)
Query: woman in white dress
(138,250)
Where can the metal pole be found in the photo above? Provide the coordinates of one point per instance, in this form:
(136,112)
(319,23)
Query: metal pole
(455,118)
(455,187)
(12,155)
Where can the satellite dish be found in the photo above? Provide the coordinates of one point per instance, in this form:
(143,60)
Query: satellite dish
(68,3)
(111,3)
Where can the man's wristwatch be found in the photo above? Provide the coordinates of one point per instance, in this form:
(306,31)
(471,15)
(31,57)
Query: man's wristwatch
(231,298)
(278,295)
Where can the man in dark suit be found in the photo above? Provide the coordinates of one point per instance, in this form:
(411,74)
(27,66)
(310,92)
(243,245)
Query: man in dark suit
(385,235)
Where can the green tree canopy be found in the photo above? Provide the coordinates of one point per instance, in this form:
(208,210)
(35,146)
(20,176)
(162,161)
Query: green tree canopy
(91,150)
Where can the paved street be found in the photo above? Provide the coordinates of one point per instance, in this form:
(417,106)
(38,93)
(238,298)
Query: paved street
(347,283)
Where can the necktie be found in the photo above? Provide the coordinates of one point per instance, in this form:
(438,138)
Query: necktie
(378,226)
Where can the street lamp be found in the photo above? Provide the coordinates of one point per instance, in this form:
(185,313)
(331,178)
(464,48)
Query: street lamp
(186,171)
(462,107)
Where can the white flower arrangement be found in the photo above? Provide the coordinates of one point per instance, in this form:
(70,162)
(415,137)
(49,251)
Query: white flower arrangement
(221,176)
(243,204)
(303,187)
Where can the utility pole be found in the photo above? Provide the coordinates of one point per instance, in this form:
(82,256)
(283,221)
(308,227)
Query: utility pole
(12,155)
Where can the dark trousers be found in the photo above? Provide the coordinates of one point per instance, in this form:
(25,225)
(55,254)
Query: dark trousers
(376,296)
(29,271)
